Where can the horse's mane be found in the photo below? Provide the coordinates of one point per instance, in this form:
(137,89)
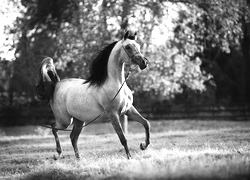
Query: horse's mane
(99,66)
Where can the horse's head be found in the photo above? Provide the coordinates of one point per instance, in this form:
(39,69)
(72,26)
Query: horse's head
(131,50)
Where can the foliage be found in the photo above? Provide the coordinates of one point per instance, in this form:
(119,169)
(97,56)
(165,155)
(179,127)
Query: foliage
(35,35)
(213,32)
(97,24)
(72,32)
(170,72)
(165,75)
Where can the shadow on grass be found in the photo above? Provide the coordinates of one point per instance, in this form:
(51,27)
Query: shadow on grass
(56,174)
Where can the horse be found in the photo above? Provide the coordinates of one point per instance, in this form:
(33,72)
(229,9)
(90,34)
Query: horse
(79,101)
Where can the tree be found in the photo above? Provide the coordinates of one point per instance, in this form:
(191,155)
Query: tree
(5,73)
(36,32)
(72,32)
(216,34)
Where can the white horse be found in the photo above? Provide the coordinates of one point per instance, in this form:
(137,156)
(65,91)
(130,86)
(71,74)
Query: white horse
(80,101)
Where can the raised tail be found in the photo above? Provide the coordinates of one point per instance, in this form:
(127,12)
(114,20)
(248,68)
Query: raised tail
(47,79)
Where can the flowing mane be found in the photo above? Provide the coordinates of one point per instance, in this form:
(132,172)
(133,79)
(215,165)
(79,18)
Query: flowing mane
(99,66)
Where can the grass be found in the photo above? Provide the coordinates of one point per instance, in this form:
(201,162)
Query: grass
(179,150)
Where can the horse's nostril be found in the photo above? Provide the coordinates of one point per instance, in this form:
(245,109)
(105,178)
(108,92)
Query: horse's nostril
(145,60)
(143,65)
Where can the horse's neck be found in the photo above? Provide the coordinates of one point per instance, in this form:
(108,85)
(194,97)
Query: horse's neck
(116,68)
(117,75)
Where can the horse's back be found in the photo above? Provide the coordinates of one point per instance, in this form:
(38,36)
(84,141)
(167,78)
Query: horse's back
(64,86)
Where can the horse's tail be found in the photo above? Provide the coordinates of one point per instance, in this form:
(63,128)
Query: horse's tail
(47,80)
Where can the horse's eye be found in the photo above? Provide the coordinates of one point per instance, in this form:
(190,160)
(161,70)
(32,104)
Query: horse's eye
(128,47)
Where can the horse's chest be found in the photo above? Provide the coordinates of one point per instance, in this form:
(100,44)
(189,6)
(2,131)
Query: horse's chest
(126,101)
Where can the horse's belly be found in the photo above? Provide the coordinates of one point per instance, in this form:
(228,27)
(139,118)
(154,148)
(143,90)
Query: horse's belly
(84,111)
(82,104)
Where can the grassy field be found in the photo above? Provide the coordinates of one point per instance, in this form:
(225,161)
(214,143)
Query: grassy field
(179,150)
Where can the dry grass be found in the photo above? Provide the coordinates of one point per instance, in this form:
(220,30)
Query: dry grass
(179,150)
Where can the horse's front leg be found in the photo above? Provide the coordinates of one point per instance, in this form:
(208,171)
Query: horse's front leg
(133,114)
(78,125)
(118,129)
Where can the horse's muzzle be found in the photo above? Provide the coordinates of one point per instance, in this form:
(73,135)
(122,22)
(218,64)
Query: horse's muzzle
(144,63)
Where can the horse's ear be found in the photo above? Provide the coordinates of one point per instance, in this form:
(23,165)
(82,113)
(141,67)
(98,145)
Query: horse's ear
(126,35)
(132,35)
(135,35)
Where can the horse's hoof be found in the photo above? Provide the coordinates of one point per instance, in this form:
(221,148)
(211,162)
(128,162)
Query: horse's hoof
(129,156)
(60,156)
(143,146)
(55,157)
(78,156)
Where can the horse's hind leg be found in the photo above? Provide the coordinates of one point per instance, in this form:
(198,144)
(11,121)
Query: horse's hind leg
(135,115)
(78,125)
(58,146)
(124,123)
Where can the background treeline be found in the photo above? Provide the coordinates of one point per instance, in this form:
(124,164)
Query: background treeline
(198,50)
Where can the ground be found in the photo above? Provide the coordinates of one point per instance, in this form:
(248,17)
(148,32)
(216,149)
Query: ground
(183,149)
